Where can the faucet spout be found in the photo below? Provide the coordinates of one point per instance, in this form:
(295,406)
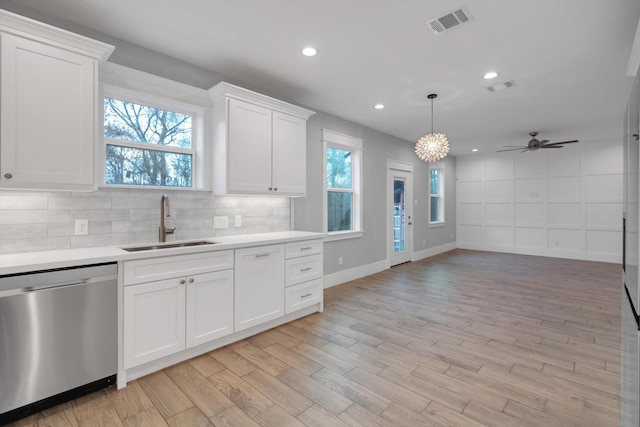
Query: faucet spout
(162,230)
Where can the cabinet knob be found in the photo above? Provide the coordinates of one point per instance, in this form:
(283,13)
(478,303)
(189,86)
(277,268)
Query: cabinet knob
(275,189)
(182,282)
(191,280)
(270,188)
(8,175)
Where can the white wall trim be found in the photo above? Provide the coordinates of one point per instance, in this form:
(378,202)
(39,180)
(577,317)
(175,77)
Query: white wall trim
(398,165)
(579,255)
(426,253)
(634,60)
(344,276)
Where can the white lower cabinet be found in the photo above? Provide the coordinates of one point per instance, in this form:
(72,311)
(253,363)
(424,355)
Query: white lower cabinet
(164,315)
(259,287)
(303,295)
(304,285)
(154,321)
(209,307)
(182,305)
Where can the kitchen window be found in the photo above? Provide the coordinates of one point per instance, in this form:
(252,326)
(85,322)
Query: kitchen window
(149,141)
(342,185)
(436,196)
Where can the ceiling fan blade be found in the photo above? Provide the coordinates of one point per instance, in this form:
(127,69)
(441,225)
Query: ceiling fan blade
(551,146)
(526,149)
(516,146)
(544,141)
(563,142)
(512,149)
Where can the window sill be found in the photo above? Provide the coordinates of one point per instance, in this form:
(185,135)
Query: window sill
(343,235)
(153,187)
(436,224)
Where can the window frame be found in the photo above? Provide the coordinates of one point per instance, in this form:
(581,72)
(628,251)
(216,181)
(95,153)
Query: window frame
(440,222)
(144,98)
(332,139)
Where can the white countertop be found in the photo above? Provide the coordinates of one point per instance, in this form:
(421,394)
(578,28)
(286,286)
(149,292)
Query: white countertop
(34,261)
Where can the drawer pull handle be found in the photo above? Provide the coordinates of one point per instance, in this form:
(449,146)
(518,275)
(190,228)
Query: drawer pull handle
(306,248)
(306,295)
(305,269)
(262,255)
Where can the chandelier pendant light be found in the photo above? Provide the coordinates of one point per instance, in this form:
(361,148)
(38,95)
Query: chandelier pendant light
(432,146)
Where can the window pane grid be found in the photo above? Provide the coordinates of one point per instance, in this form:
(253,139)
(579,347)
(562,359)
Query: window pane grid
(144,146)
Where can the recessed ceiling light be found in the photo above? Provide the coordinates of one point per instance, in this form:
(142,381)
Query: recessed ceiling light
(309,51)
(378,106)
(474,149)
(491,75)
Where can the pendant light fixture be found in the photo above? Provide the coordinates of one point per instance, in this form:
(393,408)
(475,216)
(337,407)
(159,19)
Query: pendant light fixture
(432,146)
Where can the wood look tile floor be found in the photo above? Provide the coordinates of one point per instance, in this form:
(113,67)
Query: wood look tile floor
(464,338)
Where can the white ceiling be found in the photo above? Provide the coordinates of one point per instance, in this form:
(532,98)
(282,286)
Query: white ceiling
(568,59)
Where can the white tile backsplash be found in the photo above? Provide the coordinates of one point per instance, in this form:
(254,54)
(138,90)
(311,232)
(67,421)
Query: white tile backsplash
(37,221)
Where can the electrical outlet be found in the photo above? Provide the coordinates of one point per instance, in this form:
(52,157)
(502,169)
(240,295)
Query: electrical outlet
(339,260)
(220,222)
(82,227)
(238,220)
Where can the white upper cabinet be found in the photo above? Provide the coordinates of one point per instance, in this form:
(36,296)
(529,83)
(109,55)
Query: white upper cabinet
(259,143)
(48,105)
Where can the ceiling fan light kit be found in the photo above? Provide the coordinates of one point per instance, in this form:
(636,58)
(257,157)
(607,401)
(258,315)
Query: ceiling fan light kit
(535,144)
(432,146)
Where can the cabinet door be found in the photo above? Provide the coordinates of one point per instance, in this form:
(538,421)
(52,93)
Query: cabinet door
(48,116)
(289,148)
(249,145)
(259,285)
(209,306)
(154,321)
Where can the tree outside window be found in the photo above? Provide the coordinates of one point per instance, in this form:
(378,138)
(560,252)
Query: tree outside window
(342,185)
(146,145)
(339,189)
(436,195)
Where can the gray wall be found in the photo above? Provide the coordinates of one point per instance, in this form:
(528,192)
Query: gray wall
(378,148)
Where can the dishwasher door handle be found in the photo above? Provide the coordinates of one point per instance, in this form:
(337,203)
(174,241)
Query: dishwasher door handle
(86,281)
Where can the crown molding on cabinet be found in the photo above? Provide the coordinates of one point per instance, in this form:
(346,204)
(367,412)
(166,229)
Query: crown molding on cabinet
(223,89)
(46,34)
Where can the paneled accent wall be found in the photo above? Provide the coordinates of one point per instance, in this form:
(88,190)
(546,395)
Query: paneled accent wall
(563,203)
(38,221)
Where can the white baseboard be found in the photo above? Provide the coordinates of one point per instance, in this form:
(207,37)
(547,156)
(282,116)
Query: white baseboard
(579,255)
(426,253)
(344,276)
(354,273)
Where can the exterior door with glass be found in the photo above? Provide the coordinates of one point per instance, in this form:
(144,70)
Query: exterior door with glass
(401,216)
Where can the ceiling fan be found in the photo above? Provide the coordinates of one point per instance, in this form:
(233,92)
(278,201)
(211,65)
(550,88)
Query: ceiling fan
(534,144)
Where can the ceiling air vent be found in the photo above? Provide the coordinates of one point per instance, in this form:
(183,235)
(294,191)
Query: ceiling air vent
(500,86)
(450,20)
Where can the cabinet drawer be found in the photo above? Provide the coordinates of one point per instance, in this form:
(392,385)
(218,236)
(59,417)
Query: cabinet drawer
(303,295)
(306,247)
(303,269)
(147,270)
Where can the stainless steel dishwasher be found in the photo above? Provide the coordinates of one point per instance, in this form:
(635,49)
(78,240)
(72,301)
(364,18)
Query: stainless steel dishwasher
(58,336)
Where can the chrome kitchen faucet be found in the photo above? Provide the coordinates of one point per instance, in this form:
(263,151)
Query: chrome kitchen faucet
(163,231)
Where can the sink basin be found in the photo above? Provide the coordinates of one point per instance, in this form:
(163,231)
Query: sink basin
(168,246)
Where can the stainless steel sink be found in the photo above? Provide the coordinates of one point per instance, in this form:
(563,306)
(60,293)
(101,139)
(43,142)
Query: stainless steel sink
(168,246)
